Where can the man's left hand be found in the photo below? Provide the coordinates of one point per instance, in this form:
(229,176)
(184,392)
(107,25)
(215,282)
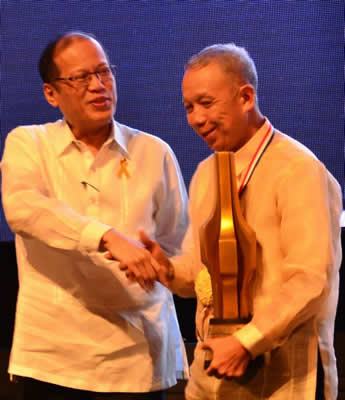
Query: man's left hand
(230,358)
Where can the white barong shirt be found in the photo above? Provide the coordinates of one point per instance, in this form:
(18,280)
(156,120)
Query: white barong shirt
(294,205)
(79,322)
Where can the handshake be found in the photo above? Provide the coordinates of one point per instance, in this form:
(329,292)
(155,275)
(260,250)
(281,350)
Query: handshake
(143,262)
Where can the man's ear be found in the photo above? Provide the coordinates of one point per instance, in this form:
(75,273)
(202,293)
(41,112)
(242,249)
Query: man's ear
(247,97)
(50,94)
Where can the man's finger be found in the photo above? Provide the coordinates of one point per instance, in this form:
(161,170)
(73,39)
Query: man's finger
(108,256)
(206,345)
(215,373)
(162,278)
(123,266)
(130,276)
(155,265)
(149,274)
(134,272)
(146,240)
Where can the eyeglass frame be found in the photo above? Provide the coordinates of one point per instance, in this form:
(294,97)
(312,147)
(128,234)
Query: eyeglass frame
(86,81)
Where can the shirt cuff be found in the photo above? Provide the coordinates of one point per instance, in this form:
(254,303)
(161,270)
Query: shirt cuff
(253,340)
(91,236)
(183,282)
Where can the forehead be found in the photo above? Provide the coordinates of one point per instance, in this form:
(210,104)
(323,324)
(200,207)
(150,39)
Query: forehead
(79,53)
(208,80)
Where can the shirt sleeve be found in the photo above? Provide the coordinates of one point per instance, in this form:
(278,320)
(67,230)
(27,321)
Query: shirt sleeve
(184,269)
(188,264)
(309,205)
(171,216)
(29,209)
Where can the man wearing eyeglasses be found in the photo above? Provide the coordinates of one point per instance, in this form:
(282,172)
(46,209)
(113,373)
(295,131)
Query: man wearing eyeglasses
(76,192)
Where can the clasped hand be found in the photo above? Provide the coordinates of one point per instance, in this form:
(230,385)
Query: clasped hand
(137,259)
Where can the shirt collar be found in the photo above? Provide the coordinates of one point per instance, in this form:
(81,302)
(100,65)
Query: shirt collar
(65,137)
(121,137)
(244,155)
(117,137)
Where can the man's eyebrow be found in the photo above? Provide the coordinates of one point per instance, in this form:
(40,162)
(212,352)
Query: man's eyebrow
(102,64)
(198,97)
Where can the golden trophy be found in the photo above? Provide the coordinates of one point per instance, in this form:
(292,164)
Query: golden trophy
(228,250)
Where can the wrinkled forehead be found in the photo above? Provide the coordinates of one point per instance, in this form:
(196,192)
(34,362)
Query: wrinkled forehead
(207,81)
(210,75)
(78,52)
(205,74)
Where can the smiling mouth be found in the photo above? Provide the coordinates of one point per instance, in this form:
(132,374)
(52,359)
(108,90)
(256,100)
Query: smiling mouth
(206,134)
(101,102)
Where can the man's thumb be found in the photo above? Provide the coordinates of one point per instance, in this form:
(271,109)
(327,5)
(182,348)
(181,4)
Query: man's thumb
(145,239)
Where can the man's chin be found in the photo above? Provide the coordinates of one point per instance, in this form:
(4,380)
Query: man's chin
(217,147)
(97,123)
(101,118)
(212,145)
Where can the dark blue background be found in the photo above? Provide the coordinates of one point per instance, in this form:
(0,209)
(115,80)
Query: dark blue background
(297,46)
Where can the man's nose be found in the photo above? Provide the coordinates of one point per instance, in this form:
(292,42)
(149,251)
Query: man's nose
(95,81)
(197,117)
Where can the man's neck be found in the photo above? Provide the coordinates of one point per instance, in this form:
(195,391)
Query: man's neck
(256,120)
(253,124)
(93,138)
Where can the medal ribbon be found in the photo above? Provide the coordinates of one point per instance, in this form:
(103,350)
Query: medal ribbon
(256,157)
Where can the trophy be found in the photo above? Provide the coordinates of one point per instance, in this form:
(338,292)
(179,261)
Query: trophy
(228,250)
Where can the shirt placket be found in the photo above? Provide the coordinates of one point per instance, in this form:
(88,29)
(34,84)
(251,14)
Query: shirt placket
(91,185)
(123,174)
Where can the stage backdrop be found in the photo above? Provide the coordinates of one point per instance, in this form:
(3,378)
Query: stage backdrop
(297,47)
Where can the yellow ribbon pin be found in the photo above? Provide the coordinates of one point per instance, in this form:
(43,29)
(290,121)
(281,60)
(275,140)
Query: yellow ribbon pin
(123,168)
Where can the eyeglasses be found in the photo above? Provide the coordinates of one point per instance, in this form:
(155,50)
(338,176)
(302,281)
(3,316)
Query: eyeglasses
(83,78)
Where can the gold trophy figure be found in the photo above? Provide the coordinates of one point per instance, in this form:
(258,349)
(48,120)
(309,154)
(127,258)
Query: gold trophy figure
(228,250)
